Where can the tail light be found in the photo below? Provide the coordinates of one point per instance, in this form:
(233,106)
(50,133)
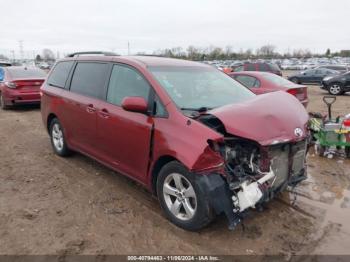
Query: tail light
(346,122)
(11,85)
(293,92)
(300,93)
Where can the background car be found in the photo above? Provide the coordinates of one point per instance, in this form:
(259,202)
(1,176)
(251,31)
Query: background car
(264,67)
(20,85)
(5,63)
(340,68)
(312,75)
(337,85)
(262,82)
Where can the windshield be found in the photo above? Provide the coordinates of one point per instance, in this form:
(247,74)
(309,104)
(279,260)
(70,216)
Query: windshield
(200,87)
(24,72)
(280,81)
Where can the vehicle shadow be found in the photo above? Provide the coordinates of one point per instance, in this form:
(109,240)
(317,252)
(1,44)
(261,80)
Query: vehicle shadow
(25,108)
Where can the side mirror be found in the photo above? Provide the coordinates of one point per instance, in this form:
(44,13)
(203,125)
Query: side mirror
(135,104)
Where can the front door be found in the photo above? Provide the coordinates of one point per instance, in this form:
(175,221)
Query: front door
(124,137)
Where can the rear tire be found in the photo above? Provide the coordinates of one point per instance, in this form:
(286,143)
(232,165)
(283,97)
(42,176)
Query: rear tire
(335,89)
(3,106)
(295,80)
(57,138)
(181,199)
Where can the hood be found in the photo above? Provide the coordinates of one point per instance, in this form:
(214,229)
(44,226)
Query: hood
(267,119)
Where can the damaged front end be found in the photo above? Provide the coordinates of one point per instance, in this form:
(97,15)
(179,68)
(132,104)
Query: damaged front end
(252,173)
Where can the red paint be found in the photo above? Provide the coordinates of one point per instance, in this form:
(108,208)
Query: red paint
(266,86)
(121,139)
(135,104)
(19,90)
(266,118)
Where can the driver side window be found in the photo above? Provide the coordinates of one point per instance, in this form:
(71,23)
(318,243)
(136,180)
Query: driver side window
(124,82)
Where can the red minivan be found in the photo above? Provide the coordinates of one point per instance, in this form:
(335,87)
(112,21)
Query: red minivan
(20,85)
(197,139)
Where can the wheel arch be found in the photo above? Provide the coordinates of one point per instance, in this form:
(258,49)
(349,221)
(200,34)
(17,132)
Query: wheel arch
(157,166)
(50,117)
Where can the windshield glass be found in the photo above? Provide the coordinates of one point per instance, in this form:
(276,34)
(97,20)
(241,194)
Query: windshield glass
(278,80)
(200,87)
(24,72)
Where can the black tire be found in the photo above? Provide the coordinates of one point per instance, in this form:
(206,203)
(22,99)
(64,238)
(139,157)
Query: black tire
(203,214)
(336,89)
(295,80)
(2,103)
(62,150)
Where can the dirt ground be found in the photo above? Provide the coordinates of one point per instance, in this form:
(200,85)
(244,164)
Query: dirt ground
(53,205)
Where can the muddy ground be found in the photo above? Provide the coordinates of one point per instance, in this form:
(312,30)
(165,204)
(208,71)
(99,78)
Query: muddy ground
(53,205)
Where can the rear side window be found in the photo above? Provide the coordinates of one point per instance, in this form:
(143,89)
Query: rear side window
(248,81)
(89,79)
(250,67)
(59,75)
(238,69)
(264,68)
(124,82)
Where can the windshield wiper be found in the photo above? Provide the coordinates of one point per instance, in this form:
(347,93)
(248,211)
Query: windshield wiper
(199,109)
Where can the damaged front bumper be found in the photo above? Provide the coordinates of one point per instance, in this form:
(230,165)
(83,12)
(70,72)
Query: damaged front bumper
(286,168)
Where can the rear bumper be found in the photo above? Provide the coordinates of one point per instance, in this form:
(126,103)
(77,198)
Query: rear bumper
(305,102)
(14,96)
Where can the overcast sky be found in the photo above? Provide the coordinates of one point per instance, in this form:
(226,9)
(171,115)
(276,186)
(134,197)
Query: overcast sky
(148,25)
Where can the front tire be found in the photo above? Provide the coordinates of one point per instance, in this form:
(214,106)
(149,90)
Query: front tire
(181,199)
(335,89)
(57,138)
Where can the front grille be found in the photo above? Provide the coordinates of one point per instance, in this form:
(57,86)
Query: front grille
(280,155)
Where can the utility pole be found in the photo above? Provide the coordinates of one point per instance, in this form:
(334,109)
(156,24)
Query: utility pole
(128,48)
(13,55)
(21,52)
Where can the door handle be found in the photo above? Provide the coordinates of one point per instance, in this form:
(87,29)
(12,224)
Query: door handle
(90,108)
(104,113)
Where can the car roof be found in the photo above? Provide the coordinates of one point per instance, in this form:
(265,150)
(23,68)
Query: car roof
(252,73)
(144,61)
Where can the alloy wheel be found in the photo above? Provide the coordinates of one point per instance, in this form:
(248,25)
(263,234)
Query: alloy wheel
(57,137)
(179,196)
(335,89)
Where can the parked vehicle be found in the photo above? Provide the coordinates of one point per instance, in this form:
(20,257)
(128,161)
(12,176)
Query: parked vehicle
(340,68)
(264,67)
(337,85)
(262,82)
(312,76)
(20,85)
(200,141)
(5,63)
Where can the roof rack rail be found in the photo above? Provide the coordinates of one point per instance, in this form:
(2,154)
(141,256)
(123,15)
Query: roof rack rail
(92,53)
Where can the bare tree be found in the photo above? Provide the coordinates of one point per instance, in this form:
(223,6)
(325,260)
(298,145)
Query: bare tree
(48,55)
(266,51)
(3,57)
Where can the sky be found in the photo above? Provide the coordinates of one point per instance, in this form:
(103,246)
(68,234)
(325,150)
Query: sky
(148,25)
